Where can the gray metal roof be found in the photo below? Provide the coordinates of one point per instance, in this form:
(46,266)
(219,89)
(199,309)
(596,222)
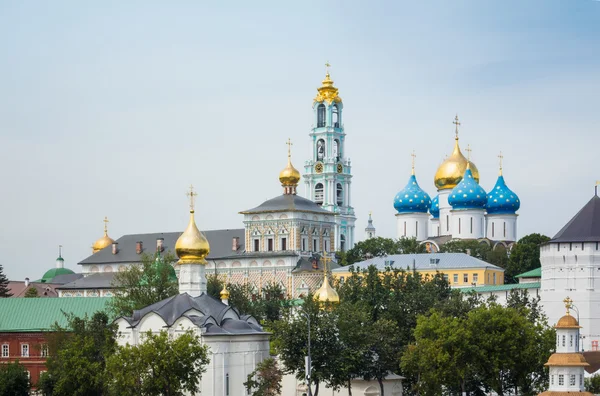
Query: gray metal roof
(221,245)
(100,280)
(424,262)
(66,278)
(213,317)
(584,226)
(305,264)
(287,203)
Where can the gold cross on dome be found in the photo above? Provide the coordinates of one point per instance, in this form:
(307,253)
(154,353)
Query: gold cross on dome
(413,155)
(326,260)
(568,304)
(192,196)
(468,150)
(289,144)
(457,124)
(105,225)
(327,66)
(500,157)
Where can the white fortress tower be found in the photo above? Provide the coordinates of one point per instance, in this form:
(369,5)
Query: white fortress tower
(571,264)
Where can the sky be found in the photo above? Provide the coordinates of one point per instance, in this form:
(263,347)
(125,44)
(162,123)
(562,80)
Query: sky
(114,108)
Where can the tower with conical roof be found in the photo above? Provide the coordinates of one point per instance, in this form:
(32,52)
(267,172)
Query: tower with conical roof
(447,176)
(411,204)
(328,171)
(566,366)
(370,231)
(192,248)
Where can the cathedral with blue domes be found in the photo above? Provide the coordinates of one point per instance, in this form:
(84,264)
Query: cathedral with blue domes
(461,209)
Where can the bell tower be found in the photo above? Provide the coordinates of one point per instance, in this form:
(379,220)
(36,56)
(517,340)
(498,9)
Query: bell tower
(328,174)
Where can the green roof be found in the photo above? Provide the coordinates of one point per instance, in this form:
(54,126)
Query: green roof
(52,273)
(534,273)
(494,288)
(39,314)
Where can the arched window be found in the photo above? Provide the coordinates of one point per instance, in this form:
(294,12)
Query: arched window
(340,194)
(319,194)
(336,116)
(320,149)
(342,243)
(321,115)
(336,150)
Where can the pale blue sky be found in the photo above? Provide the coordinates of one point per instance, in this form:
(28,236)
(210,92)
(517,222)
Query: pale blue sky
(114,108)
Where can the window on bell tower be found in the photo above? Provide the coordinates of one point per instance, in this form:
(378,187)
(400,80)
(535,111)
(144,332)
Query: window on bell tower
(340,195)
(321,115)
(319,194)
(335,116)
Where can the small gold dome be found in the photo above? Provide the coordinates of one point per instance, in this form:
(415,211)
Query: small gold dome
(289,176)
(224,293)
(192,246)
(326,292)
(451,171)
(104,241)
(327,92)
(567,359)
(567,322)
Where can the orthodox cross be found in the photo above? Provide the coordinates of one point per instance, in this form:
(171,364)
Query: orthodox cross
(457,124)
(327,66)
(413,155)
(289,144)
(105,225)
(568,304)
(192,196)
(468,150)
(501,157)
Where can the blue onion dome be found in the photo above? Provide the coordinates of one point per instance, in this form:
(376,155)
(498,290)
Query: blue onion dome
(412,198)
(501,199)
(468,194)
(434,209)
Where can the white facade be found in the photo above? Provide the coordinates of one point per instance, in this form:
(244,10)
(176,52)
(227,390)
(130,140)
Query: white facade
(502,227)
(392,386)
(445,209)
(412,225)
(573,269)
(468,223)
(434,227)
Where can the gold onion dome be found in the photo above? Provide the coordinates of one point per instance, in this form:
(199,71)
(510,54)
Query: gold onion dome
(104,241)
(289,176)
(192,246)
(224,293)
(567,321)
(327,92)
(451,171)
(326,292)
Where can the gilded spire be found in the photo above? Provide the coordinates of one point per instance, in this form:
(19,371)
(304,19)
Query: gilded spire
(192,246)
(413,155)
(500,158)
(289,176)
(327,92)
(468,150)
(456,124)
(105,225)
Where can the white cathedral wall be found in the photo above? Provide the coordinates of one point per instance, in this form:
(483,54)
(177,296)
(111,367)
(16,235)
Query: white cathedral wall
(501,227)
(573,271)
(468,224)
(567,385)
(434,227)
(412,225)
(445,208)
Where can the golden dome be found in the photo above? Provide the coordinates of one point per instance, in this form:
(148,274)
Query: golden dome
(451,171)
(192,246)
(327,92)
(224,293)
(567,359)
(289,176)
(567,322)
(326,292)
(104,241)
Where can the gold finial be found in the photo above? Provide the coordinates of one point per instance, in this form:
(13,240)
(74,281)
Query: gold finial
(413,155)
(192,196)
(370,213)
(289,144)
(568,304)
(105,225)
(326,260)
(468,150)
(457,124)
(327,66)
(500,157)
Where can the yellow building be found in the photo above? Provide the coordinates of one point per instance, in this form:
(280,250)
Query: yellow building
(459,269)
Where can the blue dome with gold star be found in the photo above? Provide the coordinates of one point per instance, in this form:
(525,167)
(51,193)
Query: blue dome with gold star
(412,198)
(434,209)
(502,200)
(468,194)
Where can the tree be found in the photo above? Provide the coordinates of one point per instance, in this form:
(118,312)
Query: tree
(243,298)
(142,285)
(78,354)
(524,256)
(14,380)
(46,384)
(4,290)
(592,384)
(266,379)
(214,285)
(373,247)
(160,365)
(31,293)
(410,246)
(384,351)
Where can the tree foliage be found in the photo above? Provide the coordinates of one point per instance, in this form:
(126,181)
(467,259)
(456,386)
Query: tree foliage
(214,285)
(78,354)
(4,290)
(14,380)
(265,307)
(524,256)
(378,247)
(160,365)
(266,379)
(31,293)
(141,285)
(592,384)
